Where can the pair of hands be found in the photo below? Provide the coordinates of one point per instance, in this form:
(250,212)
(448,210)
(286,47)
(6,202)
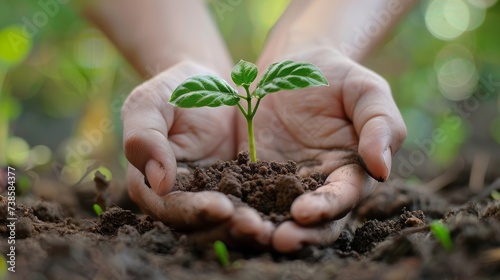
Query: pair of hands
(349,130)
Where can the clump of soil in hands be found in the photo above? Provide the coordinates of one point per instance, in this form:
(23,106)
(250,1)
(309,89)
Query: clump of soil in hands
(269,187)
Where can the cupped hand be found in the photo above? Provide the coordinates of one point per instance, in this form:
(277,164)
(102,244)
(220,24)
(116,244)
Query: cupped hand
(349,130)
(157,135)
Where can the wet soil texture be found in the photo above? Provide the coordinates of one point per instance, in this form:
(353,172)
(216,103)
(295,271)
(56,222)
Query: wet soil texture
(269,187)
(388,237)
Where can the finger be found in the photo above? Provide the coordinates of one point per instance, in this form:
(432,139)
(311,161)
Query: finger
(246,223)
(343,190)
(146,145)
(376,145)
(244,229)
(376,119)
(180,210)
(290,237)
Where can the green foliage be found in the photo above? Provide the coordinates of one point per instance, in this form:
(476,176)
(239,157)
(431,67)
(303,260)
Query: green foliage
(204,91)
(23,184)
(442,234)
(97,209)
(14,46)
(244,73)
(455,137)
(221,252)
(10,109)
(212,91)
(289,75)
(3,267)
(495,195)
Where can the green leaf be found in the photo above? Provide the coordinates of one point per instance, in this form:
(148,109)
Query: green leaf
(289,75)
(97,209)
(244,73)
(442,234)
(221,253)
(495,195)
(202,91)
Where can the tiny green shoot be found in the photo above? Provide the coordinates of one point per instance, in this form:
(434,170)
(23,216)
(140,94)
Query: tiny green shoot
(442,234)
(221,252)
(495,195)
(97,209)
(212,91)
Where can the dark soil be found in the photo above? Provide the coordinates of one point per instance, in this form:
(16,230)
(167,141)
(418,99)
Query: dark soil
(388,237)
(269,187)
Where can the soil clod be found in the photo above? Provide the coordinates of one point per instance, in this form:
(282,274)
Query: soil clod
(269,187)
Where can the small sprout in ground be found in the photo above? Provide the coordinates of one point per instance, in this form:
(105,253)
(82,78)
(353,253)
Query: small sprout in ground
(222,254)
(495,195)
(97,209)
(212,91)
(442,234)
(102,186)
(24,183)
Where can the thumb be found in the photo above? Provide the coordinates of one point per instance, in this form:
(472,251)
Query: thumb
(378,140)
(378,123)
(145,131)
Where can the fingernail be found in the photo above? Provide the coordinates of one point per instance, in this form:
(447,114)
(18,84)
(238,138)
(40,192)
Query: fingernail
(388,161)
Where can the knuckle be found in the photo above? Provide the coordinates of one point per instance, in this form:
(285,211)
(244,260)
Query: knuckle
(377,84)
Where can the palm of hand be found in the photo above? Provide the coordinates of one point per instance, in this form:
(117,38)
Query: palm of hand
(194,137)
(312,126)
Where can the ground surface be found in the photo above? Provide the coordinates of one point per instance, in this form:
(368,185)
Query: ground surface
(387,238)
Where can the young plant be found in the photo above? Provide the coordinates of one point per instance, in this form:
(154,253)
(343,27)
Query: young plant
(97,209)
(212,91)
(442,234)
(221,252)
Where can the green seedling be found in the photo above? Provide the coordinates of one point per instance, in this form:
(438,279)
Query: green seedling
(495,195)
(97,209)
(442,234)
(212,91)
(222,254)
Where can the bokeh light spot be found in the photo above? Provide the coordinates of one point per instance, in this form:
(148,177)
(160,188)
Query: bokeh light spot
(483,4)
(447,19)
(41,155)
(476,16)
(14,45)
(17,151)
(92,50)
(456,72)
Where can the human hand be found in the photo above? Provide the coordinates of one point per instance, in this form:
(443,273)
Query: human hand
(349,130)
(156,135)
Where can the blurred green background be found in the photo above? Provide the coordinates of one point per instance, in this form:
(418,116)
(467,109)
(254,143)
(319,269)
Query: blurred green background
(62,86)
